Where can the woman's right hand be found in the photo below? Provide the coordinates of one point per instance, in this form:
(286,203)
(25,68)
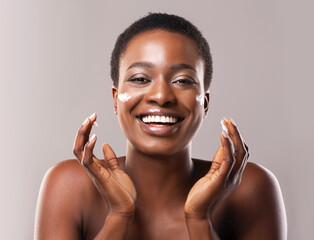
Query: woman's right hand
(112,182)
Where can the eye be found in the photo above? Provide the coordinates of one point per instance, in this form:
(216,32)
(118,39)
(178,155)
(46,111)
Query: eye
(139,80)
(184,81)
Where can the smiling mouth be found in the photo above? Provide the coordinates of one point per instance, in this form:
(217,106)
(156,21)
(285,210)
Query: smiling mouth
(160,120)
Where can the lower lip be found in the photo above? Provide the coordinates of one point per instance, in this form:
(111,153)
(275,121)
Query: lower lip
(159,130)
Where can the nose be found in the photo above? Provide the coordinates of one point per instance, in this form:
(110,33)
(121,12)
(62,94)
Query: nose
(161,93)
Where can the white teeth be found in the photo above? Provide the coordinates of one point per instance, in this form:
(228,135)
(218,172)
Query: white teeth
(159,119)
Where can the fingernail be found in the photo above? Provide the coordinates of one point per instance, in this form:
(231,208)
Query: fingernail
(85,121)
(224,134)
(224,128)
(233,122)
(225,119)
(92,116)
(92,137)
(96,124)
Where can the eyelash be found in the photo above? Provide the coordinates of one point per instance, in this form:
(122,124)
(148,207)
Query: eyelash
(142,80)
(139,80)
(184,81)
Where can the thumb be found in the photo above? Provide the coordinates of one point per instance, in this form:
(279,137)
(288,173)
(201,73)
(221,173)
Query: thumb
(110,157)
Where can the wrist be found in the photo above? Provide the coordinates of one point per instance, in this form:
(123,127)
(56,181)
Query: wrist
(200,228)
(197,219)
(120,217)
(116,226)
(191,215)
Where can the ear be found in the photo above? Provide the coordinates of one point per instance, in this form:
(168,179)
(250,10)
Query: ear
(114,98)
(206,102)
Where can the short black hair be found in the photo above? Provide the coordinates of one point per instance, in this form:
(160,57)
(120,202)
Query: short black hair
(167,22)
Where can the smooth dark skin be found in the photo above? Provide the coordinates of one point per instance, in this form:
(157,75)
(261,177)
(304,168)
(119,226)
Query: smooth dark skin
(158,191)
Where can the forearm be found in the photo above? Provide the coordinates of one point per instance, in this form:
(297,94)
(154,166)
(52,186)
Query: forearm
(200,229)
(115,227)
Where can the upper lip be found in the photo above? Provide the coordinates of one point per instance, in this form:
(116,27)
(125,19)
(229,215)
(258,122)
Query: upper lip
(160,112)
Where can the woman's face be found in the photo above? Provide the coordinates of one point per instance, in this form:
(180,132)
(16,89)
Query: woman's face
(160,100)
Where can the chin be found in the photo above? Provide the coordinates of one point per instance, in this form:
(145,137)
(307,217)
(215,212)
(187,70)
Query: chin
(160,148)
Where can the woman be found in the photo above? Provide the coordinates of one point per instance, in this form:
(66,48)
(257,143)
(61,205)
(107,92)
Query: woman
(161,69)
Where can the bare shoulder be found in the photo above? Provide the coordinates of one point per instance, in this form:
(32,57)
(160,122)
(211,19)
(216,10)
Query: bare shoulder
(257,182)
(65,192)
(68,177)
(258,204)
(69,186)
(65,168)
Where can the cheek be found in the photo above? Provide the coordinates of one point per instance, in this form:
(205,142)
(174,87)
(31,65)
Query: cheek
(124,97)
(195,103)
(127,100)
(126,103)
(200,104)
(198,113)
(200,99)
(197,110)
(124,100)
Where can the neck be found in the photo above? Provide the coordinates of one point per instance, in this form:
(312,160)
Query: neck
(164,178)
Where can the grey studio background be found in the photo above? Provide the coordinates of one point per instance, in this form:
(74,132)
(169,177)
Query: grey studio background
(54,61)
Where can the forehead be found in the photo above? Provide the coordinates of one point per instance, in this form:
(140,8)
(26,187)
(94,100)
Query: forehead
(160,46)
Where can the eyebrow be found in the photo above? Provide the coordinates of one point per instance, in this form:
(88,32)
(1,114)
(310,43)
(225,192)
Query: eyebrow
(177,66)
(141,64)
(180,66)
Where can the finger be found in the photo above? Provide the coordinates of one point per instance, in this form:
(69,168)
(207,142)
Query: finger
(246,157)
(82,136)
(239,149)
(228,159)
(234,134)
(110,157)
(91,163)
(81,139)
(88,151)
(217,160)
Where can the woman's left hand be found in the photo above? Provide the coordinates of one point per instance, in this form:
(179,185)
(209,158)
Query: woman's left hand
(223,177)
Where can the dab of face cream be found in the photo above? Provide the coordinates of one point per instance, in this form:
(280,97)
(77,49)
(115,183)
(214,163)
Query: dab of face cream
(124,97)
(224,126)
(200,99)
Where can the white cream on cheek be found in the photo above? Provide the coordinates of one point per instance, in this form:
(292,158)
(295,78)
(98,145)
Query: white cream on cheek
(124,97)
(200,99)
